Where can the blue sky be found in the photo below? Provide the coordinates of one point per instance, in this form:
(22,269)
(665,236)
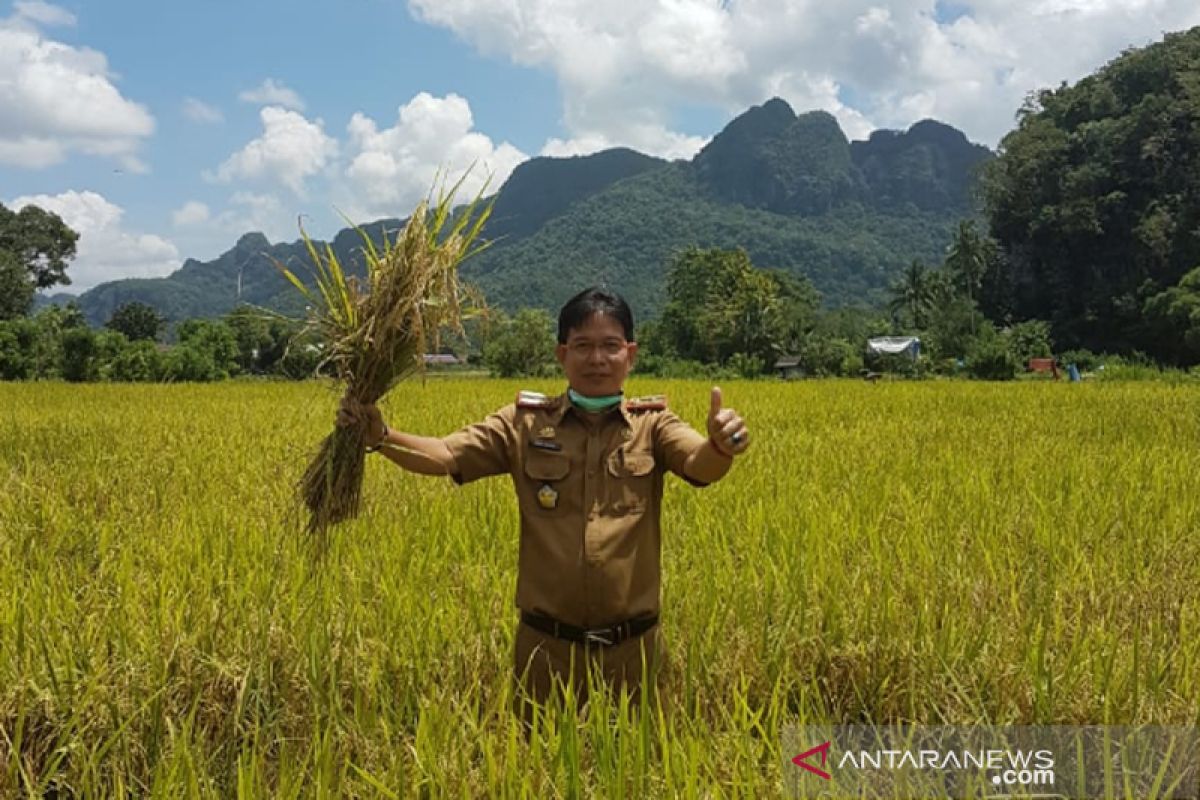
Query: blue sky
(163,131)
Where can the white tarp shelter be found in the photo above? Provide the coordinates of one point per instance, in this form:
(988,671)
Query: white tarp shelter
(894,345)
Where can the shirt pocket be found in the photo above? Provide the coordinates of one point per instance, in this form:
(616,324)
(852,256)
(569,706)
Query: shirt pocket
(631,480)
(546,476)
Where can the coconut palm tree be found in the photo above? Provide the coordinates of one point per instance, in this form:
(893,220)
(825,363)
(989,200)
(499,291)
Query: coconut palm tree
(967,259)
(914,294)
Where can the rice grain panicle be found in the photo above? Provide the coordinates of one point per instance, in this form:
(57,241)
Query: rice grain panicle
(376,336)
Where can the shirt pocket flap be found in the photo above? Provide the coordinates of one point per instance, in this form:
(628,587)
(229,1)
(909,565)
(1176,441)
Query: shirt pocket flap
(624,464)
(544,466)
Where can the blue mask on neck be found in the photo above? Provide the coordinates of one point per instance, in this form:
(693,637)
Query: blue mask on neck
(593,403)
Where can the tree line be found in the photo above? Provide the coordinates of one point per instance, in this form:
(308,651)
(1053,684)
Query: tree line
(725,317)
(58,344)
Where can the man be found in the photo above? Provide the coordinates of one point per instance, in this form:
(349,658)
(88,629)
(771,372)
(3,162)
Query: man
(588,469)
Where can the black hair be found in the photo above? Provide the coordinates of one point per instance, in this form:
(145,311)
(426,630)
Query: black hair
(594,301)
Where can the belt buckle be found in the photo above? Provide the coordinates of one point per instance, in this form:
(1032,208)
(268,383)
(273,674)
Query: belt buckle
(601,636)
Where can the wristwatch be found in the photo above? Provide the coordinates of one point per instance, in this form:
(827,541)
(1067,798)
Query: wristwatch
(382,440)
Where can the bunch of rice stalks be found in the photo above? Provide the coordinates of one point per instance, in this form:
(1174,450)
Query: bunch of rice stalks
(377,335)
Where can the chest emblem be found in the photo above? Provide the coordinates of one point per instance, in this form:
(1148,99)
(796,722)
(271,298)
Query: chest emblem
(547,496)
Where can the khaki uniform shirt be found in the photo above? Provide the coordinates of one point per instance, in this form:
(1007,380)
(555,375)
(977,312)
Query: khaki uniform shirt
(590,544)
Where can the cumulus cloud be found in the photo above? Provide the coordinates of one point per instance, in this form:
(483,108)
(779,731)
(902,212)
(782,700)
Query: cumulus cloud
(190,213)
(199,111)
(624,68)
(273,93)
(57,99)
(649,138)
(106,251)
(290,150)
(390,169)
(263,212)
(204,231)
(44,13)
(375,170)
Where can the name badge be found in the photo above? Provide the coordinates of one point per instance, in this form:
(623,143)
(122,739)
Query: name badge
(545,444)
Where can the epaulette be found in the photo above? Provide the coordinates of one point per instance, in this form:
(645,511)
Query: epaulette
(650,402)
(528,399)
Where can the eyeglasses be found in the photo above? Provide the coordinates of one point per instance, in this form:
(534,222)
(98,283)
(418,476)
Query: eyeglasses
(609,347)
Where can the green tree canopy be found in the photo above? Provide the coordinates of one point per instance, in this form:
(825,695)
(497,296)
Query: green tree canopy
(1175,315)
(137,321)
(41,241)
(1095,198)
(216,343)
(16,289)
(523,345)
(914,295)
(719,305)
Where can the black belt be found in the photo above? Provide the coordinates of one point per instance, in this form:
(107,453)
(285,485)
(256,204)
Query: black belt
(604,637)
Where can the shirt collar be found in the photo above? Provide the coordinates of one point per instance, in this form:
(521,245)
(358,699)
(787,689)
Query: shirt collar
(564,404)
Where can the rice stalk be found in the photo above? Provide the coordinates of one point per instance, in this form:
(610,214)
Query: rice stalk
(376,334)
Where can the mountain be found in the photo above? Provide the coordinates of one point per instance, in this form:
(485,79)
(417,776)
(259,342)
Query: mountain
(769,158)
(542,188)
(791,190)
(247,273)
(932,166)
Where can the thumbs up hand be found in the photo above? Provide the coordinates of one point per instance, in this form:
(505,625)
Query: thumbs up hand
(726,430)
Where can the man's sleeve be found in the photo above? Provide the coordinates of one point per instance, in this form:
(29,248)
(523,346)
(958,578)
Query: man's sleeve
(674,441)
(483,448)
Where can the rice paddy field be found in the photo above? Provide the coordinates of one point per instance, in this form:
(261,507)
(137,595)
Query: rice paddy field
(936,552)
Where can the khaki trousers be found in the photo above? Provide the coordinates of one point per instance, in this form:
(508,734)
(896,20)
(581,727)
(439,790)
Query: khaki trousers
(545,665)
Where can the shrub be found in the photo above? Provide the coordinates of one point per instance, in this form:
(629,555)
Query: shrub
(745,366)
(1030,339)
(137,362)
(189,362)
(79,355)
(17,338)
(990,359)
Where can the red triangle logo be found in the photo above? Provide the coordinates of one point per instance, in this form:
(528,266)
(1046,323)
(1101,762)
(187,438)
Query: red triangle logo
(802,760)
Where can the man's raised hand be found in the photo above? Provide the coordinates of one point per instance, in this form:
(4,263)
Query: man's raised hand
(726,429)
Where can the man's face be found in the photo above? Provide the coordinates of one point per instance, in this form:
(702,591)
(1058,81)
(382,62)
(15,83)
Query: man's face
(596,357)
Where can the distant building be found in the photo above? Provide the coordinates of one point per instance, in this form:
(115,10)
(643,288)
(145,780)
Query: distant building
(441,358)
(789,367)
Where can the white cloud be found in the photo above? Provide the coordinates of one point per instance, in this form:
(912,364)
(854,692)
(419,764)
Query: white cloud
(199,111)
(623,68)
(390,169)
(373,172)
(190,213)
(648,138)
(57,99)
(264,213)
(106,251)
(44,13)
(205,232)
(245,212)
(290,150)
(273,93)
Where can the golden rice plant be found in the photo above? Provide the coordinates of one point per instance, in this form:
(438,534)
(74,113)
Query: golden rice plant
(375,335)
